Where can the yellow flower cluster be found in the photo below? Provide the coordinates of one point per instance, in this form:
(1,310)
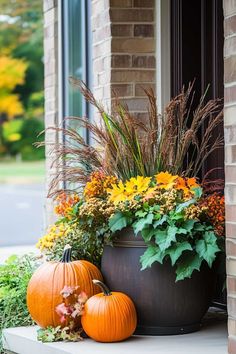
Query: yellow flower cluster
(127,191)
(148,188)
(167,181)
(98,185)
(54,232)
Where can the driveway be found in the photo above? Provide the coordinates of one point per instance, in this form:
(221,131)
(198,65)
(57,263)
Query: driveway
(21,214)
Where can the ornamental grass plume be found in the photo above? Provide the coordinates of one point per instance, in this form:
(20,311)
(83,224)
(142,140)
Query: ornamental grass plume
(130,148)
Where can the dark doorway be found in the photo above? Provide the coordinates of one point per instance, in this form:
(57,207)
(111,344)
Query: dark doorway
(197,37)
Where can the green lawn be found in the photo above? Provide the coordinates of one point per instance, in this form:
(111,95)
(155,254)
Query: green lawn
(22,172)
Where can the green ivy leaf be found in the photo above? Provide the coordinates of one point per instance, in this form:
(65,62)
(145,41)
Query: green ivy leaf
(176,250)
(142,223)
(197,192)
(140,213)
(182,231)
(199,227)
(176,216)
(165,237)
(76,207)
(186,267)
(151,255)
(146,206)
(184,205)
(157,216)
(207,247)
(118,221)
(148,233)
(188,224)
(160,222)
(155,208)
(61,220)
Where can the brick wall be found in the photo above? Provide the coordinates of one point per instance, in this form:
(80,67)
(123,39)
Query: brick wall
(123,50)
(230,162)
(51,89)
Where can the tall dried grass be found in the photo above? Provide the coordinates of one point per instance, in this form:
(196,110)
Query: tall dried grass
(126,147)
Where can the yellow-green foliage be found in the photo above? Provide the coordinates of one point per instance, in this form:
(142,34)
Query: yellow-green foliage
(12,73)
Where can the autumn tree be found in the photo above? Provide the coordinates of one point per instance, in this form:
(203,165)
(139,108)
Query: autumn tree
(12,73)
(21,73)
(21,37)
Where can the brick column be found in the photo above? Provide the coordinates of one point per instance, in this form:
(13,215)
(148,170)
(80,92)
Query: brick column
(51,89)
(101,50)
(230,163)
(123,50)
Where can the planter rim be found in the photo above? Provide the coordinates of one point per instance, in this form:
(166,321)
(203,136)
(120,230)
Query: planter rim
(127,238)
(130,244)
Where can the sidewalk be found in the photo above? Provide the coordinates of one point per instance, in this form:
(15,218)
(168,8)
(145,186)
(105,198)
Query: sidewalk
(6,252)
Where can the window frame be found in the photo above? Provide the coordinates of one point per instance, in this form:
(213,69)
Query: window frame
(63,59)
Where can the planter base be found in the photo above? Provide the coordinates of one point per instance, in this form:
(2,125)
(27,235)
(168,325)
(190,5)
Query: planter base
(164,306)
(166,331)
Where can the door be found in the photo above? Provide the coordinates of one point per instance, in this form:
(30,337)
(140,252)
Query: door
(197,38)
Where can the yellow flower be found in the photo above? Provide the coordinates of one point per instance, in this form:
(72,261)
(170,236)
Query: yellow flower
(165,180)
(134,186)
(192,183)
(117,193)
(181,184)
(98,185)
(186,185)
(137,185)
(54,232)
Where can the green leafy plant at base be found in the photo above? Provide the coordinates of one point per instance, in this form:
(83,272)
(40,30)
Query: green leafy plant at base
(87,246)
(58,334)
(15,274)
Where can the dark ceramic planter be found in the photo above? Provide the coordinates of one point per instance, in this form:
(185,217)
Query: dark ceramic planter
(163,306)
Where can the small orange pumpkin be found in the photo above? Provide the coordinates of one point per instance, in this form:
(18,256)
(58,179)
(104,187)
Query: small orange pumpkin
(43,293)
(109,316)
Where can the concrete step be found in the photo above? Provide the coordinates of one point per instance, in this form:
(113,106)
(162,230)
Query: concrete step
(212,339)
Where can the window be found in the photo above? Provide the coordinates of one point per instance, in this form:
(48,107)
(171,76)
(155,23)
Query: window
(75,55)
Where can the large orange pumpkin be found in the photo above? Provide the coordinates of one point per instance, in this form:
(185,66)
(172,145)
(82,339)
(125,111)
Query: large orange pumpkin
(109,316)
(43,293)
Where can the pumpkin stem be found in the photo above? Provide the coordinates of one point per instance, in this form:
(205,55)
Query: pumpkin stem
(105,289)
(66,257)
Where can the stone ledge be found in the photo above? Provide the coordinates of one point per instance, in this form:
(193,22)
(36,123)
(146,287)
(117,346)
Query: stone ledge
(212,339)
